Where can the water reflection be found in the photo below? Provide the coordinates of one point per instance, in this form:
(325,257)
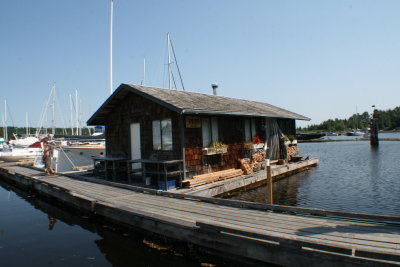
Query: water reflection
(49,235)
(351,176)
(52,222)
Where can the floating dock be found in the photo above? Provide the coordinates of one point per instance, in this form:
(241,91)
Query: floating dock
(246,232)
(246,182)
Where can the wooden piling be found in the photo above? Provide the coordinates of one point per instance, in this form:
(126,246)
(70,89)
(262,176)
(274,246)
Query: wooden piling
(374,141)
(269,182)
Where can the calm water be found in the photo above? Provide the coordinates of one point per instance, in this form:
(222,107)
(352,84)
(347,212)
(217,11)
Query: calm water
(350,177)
(381,135)
(35,233)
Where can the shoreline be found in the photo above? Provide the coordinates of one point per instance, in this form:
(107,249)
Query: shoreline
(345,140)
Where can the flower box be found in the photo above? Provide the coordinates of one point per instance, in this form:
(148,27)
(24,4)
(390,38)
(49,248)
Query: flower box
(213,151)
(255,146)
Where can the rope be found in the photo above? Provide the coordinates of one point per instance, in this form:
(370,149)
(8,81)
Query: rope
(62,150)
(177,66)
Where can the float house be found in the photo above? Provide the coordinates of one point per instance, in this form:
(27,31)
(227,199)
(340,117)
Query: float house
(207,133)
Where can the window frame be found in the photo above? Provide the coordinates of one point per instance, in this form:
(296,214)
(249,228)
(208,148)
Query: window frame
(213,130)
(161,135)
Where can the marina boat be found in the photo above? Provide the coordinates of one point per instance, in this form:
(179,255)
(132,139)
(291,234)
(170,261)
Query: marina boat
(14,154)
(332,134)
(23,140)
(77,157)
(358,133)
(73,157)
(355,132)
(308,136)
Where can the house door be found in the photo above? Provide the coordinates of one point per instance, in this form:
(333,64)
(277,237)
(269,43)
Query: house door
(135,144)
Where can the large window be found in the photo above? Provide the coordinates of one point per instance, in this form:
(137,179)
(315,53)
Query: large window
(162,134)
(249,129)
(209,129)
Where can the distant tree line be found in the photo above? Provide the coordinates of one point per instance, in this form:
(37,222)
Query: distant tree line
(58,131)
(387,120)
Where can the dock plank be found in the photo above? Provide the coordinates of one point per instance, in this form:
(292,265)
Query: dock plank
(376,239)
(197,215)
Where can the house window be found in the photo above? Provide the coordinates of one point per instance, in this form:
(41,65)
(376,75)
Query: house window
(209,129)
(162,134)
(249,129)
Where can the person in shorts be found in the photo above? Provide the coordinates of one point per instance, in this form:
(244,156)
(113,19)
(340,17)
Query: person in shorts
(47,156)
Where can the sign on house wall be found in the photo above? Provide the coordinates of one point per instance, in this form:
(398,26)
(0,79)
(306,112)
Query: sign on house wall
(192,122)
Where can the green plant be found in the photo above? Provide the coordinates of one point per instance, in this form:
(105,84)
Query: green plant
(217,145)
(291,137)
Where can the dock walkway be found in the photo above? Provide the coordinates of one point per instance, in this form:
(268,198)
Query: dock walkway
(250,232)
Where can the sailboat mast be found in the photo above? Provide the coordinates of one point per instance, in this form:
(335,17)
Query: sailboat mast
(169,63)
(144,71)
(5,121)
(4,135)
(76,112)
(27,124)
(111,46)
(80,117)
(71,116)
(53,126)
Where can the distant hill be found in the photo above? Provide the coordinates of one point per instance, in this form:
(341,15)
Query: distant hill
(387,120)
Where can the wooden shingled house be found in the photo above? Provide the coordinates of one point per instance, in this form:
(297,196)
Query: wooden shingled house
(207,132)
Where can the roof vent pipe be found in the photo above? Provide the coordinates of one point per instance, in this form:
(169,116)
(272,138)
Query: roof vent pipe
(214,87)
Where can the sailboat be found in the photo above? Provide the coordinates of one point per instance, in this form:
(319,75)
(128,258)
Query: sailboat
(356,131)
(24,140)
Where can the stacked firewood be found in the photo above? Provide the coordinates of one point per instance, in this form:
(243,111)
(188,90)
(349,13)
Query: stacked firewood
(246,166)
(256,162)
(292,151)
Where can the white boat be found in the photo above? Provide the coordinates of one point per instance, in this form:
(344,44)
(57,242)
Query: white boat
(358,133)
(77,157)
(14,154)
(23,141)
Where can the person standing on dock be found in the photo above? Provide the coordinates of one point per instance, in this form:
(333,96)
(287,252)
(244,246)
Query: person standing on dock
(47,156)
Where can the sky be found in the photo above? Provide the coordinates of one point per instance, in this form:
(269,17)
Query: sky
(321,59)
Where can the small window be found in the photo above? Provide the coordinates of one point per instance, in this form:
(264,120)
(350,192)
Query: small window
(249,129)
(162,134)
(209,131)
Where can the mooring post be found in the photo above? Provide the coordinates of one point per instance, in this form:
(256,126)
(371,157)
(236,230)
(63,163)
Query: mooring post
(374,141)
(269,181)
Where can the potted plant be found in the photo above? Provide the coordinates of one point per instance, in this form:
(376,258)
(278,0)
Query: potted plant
(292,139)
(216,147)
(255,143)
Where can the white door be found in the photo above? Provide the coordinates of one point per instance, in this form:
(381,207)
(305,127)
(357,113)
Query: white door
(135,144)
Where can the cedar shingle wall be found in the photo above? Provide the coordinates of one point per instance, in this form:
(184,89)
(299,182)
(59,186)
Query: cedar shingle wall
(231,133)
(134,109)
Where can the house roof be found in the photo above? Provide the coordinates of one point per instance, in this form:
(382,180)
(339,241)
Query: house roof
(185,102)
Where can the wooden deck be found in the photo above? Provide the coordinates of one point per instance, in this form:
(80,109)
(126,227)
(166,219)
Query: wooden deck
(225,187)
(250,232)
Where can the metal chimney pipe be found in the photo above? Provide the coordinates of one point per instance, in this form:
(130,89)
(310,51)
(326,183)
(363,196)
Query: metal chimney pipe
(214,87)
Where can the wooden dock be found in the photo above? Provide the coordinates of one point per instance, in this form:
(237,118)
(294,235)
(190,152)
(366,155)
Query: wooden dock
(246,182)
(248,232)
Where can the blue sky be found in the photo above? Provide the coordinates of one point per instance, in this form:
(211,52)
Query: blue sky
(321,59)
